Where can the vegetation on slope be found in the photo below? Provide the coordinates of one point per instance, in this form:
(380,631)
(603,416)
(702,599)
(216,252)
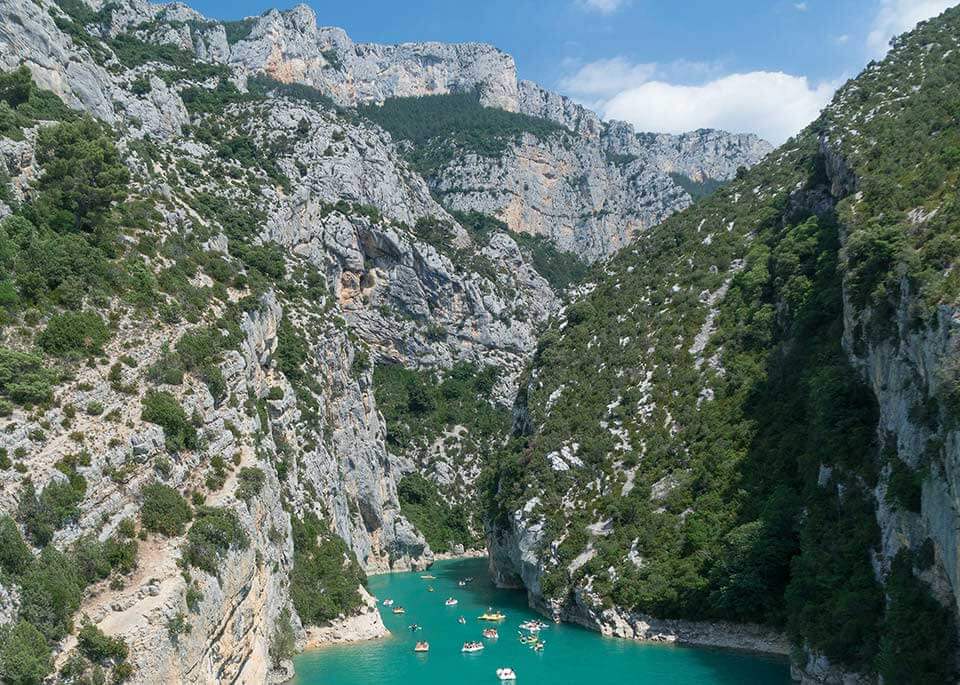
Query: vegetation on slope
(442,126)
(424,410)
(732,473)
(325,575)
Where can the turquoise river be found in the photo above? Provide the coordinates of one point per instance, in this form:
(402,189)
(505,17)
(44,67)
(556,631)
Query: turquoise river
(571,655)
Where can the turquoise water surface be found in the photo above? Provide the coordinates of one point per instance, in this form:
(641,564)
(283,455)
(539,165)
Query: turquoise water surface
(571,655)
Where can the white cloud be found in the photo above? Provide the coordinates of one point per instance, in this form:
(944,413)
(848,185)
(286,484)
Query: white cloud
(897,16)
(602,6)
(607,77)
(774,105)
(800,6)
(842,39)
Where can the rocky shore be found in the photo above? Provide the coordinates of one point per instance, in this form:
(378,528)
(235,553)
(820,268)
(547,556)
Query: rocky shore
(366,625)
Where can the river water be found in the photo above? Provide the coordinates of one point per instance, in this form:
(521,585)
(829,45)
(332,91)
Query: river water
(571,655)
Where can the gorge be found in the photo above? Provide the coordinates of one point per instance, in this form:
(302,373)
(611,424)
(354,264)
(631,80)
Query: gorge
(279,310)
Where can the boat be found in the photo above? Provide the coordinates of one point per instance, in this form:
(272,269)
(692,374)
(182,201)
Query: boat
(462,583)
(399,610)
(427,576)
(491,615)
(451,602)
(534,626)
(388,602)
(472,647)
(422,647)
(414,627)
(461,620)
(430,588)
(506,674)
(538,647)
(491,633)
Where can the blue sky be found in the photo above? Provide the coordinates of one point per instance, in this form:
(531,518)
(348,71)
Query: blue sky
(758,65)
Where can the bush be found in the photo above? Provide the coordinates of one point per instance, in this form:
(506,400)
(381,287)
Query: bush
(283,640)
(42,515)
(164,510)
(15,556)
(50,593)
(251,481)
(74,334)
(214,533)
(95,560)
(162,408)
(98,647)
(178,626)
(904,486)
(24,654)
(23,377)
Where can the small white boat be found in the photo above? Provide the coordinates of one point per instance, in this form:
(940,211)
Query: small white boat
(462,583)
(506,674)
(534,626)
(472,647)
(451,602)
(388,602)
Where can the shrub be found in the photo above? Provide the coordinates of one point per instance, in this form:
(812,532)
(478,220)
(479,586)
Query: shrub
(23,377)
(98,647)
(24,654)
(178,626)
(162,408)
(251,481)
(15,556)
(283,640)
(74,334)
(164,510)
(904,486)
(50,593)
(213,534)
(193,598)
(42,515)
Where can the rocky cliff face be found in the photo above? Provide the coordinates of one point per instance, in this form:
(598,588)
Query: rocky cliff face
(293,232)
(591,197)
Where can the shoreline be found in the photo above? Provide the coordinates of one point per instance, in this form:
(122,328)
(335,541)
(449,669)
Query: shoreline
(740,637)
(748,638)
(365,626)
(438,556)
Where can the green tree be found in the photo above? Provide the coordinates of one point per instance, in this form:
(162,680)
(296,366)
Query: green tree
(15,556)
(83,175)
(164,510)
(24,654)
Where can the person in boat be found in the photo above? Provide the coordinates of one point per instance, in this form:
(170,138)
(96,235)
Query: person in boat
(414,627)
